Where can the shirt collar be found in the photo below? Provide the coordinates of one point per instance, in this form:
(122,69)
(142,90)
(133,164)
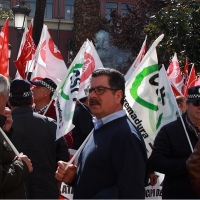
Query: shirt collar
(108,118)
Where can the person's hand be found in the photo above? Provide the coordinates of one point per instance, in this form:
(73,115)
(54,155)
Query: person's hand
(153,179)
(9,121)
(27,161)
(66,176)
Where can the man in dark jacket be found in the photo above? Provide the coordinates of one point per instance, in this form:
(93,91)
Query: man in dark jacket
(172,148)
(13,170)
(35,136)
(112,164)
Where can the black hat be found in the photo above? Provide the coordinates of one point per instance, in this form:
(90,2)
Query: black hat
(194,94)
(20,88)
(45,82)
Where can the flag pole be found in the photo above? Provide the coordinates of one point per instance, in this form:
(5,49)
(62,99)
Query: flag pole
(80,149)
(9,142)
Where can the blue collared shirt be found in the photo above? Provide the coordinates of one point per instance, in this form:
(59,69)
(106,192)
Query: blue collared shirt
(99,122)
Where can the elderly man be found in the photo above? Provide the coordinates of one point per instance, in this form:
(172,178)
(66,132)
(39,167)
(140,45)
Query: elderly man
(42,92)
(34,135)
(113,162)
(13,170)
(171,150)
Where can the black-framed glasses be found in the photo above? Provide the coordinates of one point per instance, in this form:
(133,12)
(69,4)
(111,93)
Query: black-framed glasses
(196,103)
(100,90)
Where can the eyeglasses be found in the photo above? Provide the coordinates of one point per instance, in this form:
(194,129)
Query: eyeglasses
(100,90)
(196,103)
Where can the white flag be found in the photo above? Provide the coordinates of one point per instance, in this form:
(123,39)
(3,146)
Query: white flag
(66,101)
(49,61)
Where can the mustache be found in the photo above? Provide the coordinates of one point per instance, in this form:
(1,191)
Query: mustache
(94,102)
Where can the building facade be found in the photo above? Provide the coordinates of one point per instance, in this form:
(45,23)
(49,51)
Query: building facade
(59,19)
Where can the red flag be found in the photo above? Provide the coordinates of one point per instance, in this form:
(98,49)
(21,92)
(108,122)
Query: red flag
(26,54)
(191,80)
(4,50)
(174,73)
(175,90)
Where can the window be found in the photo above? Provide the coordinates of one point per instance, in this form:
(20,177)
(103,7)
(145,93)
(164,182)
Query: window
(69,9)
(110,7)
(5,4)
(48,10)
(124,8)
(32,5)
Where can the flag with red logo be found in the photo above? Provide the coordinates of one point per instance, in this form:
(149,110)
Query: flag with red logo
(49,61)
(27,54)
(174,73)
(191,80)
(4,49)
(91,63)
(137,60)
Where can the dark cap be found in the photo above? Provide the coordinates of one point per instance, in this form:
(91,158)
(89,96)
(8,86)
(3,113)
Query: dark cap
(194,94)
(45,82)
(20,88)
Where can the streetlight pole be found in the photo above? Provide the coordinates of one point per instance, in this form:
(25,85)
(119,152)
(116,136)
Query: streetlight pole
(20,12)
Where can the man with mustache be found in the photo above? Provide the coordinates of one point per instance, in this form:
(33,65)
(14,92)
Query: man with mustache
(113,162)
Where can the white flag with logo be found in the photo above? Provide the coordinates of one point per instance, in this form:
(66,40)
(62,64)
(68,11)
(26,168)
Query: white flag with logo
(49,61)
(66,101)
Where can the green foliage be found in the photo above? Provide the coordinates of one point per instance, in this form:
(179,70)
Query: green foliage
(5,13)
(179,21)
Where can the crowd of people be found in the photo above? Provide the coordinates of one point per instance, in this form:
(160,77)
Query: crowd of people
(113,163)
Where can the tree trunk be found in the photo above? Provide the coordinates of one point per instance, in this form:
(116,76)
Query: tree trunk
(38,20)
(86,22)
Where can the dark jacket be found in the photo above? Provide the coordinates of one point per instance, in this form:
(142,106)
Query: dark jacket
(35,135)
(13,173)
(170,153)
(83,125)
(193,166)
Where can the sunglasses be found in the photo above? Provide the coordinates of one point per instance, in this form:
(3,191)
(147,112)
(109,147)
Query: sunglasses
(196,103)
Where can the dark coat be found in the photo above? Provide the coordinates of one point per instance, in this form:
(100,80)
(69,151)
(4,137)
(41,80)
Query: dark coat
(193,166)
(13,173)
(170,153)
(35,135)
(83,125)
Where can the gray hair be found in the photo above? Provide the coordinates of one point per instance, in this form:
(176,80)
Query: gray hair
(4,85)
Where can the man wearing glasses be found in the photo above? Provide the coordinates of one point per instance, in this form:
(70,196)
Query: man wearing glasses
(171,150)
(113,162)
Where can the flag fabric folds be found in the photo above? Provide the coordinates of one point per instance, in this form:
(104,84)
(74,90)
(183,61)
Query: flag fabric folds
(27,54)
(174,73)
(48,59)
